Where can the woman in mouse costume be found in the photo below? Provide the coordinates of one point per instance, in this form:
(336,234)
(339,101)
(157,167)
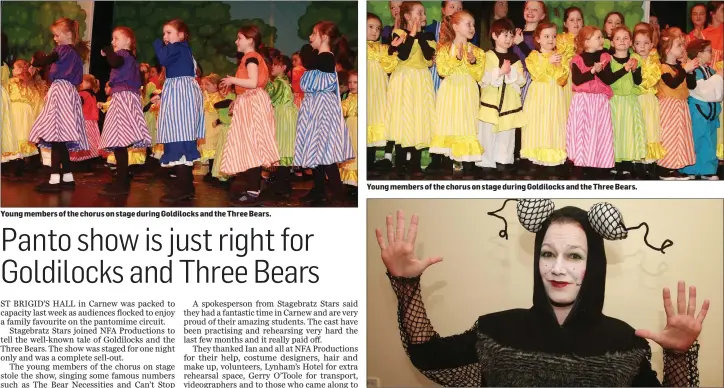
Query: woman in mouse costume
(563,339)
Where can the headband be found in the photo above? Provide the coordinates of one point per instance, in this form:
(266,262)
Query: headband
(605,219)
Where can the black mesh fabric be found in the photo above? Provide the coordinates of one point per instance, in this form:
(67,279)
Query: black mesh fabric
(533,212)
(681,369)
(607,221)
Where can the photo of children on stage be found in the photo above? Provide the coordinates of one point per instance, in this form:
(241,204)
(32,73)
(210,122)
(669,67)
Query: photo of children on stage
(545,90)
(203,104)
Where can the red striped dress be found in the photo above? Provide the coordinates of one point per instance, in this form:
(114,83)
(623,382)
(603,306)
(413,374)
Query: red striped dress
(676,133)
(251,141)
(90,115)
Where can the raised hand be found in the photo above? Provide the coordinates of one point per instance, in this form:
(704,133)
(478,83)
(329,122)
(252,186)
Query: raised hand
(415,27)
(518,36)
(505,69)
(681,329)
(397,41)
(691,65)
(555,59)
(471,56)
(228,81)
(459,49)
(103,53)
(398,254)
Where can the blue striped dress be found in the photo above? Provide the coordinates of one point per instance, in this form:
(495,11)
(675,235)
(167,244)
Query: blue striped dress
(322,137)
(181,117)
(436,80)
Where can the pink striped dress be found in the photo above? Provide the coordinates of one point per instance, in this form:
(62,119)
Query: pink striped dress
(589,131)
(90,115)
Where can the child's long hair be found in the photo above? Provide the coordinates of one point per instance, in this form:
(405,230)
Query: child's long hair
(283,60)
(620,15)
(180,26)
(252,32)
(668,37)
(583,35)
(337,42)
(94,83)
(130,35)
(25,76)
(539,29)
(212,78)
(69,25)
(567,13)
(406,8)
(447,34)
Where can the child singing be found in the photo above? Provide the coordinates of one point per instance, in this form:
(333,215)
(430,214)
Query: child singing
(181,117)
(501,108)
(124,126)
(60,124)
(461,65)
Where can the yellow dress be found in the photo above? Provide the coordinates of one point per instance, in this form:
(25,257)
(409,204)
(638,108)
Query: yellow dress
(135,155)
(379,65)
(508,113)
(23,98)
(651,75)
(9,147)
(565,46)
(543,139)
(207,146)
(410,115)
(720,131)
(456,104)
(348,169)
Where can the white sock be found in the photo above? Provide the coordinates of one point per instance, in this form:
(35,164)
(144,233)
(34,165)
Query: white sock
(68,177)
(388,157)
(54,179)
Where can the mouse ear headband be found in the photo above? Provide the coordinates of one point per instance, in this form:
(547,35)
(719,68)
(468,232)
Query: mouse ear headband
(605,219)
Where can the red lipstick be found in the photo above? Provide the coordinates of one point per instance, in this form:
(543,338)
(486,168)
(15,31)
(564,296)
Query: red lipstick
(559,284)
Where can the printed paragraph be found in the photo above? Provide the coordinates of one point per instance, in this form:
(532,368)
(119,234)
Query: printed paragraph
(271,344)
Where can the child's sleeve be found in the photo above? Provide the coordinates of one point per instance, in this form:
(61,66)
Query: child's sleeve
(516,75)
(535,62)
(650,75)
(387,61)
(427,45)
(709,90)
(560,73)
(446,60)
(166,54)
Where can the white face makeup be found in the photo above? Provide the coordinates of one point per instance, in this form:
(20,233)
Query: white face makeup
(562,263)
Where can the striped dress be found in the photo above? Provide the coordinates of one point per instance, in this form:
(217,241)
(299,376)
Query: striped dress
(379,65)
(181,116)
(650,77)
(90,115)
(589,131)
(285,118)
(629,135)
(8,145)
(251,141)
(322,136)
(436,76)
(543,139)
(348,169)
(61,120)
(455,133)
(565,46)
(676,131)
(411,95)
(705,107)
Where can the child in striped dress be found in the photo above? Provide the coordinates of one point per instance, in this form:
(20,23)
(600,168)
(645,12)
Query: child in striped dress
(208,146)
(455,134)
(88,89)
(629,135)
(676,131)
(124,126)
(181,117)
(448,9)
(705,99)
(650,76)
(60,124)
(322,138)
(222,125)
(543,138)
(565,44)
(250,143)
(411,94)
(589,130)
(285,118)
(348,169)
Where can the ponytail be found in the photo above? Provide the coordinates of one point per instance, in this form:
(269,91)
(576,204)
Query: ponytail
(341,51)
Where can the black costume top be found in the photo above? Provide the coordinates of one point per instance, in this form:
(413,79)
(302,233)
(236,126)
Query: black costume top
(527,347)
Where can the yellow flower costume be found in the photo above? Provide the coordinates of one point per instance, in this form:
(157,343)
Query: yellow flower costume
(348,169)
(720,131)
(10,147)
(651,75)
(501,109)
(211,138)
(410,94)
(379,65)
(23,100)
(543,139)
(456,128)
(565,45)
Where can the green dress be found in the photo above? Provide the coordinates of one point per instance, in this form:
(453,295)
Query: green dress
(629,133)
(225,120)
(285,118)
